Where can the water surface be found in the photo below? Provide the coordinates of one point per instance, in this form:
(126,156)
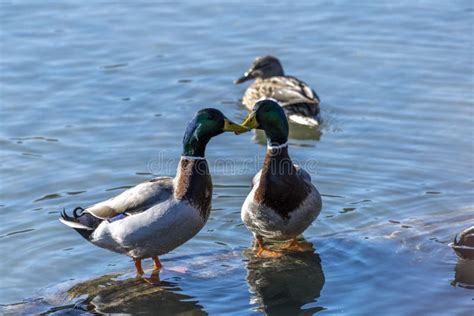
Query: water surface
(95,98)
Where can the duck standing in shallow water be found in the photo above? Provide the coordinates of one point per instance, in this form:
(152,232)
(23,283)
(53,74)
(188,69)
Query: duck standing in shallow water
(300,102)
(159,215)
(283,201)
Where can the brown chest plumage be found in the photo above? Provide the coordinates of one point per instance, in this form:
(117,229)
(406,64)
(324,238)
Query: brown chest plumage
(195,185)
(281,186)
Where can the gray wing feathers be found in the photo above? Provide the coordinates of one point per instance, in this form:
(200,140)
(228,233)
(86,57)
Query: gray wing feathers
(134,200)
(295,96)
(293,91)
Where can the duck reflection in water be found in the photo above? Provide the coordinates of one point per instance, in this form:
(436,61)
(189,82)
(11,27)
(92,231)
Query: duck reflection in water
(464,274)
(296,132)
(282,286)
(112,294)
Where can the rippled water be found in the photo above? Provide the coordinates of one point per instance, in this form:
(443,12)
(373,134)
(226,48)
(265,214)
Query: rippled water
(95,97)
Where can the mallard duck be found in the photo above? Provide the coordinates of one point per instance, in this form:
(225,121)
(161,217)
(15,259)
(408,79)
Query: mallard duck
(300,102)
(283,202)
(161,214)
(464,245)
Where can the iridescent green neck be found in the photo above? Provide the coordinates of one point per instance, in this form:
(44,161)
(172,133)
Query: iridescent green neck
(196,137)
(275,126)
(207,123)
(276,137)
(194,146)
(272,119)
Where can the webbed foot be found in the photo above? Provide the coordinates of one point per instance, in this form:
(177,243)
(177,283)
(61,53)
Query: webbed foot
(298,246)
(154,278)
(266,253)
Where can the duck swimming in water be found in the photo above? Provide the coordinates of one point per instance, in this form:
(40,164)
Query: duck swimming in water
(283,202)
(464,245)
(300,102)
(158,215)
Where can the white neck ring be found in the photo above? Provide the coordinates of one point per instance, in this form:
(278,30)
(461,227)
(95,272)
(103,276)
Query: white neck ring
(277,147)
(192,157)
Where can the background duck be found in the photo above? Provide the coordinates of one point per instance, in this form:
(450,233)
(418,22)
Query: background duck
(159,215)
(464,245)
(283,202)
(300,102)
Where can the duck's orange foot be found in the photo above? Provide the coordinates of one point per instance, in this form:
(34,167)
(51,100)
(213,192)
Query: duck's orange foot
(265,253)
(298,246)
(156,263)
(154,278)
(138,266)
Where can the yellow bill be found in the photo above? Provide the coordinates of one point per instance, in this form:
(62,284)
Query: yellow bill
(251,121)
(230,126)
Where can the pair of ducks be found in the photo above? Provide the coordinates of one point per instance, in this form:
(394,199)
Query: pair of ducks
(159,215)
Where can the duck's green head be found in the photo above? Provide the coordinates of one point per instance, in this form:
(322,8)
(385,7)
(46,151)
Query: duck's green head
(262,67)
(268,115)
(206,124)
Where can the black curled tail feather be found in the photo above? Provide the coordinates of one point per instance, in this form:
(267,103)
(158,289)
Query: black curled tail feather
(74,212)
(82,222)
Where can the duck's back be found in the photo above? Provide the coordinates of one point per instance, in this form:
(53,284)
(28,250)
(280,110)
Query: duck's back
(294,95)
(136,199)
(157,231)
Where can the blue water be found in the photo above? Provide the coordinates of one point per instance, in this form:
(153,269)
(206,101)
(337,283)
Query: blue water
(94,98)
